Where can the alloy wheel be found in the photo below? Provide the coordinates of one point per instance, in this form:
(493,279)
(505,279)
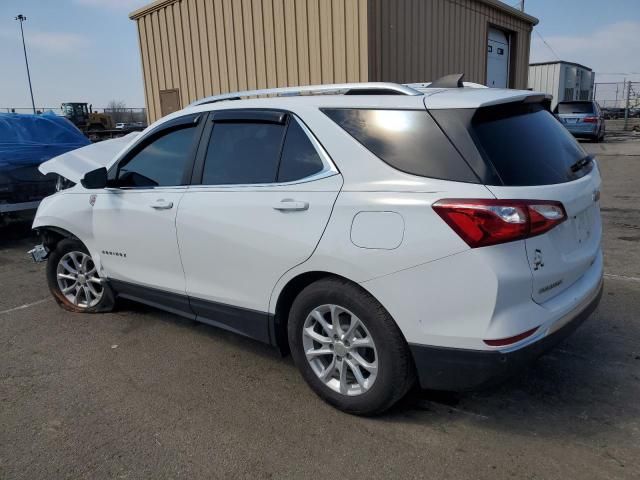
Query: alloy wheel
(340,350)
(78,280)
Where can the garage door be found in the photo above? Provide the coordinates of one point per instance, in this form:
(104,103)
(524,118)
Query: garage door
(498,59)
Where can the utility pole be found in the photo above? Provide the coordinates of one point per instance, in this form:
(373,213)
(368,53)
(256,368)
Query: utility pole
(21,18)
(522,5)
(626,108)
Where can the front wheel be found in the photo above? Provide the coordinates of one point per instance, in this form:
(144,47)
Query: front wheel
(74,281)
(348,348)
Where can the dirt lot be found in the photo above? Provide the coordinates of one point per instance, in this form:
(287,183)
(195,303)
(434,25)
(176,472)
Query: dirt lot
(144,394)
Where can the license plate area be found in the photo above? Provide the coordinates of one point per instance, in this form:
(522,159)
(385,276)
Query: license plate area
(583,223)
(571,120)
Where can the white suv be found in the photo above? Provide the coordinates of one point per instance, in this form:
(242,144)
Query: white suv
(379,232)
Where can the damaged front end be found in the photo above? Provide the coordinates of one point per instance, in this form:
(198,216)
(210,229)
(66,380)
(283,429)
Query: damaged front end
(39,253)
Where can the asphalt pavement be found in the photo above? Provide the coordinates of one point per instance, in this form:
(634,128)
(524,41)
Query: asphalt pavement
(140,393)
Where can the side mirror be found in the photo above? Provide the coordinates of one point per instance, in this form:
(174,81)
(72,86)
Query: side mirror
(95,178)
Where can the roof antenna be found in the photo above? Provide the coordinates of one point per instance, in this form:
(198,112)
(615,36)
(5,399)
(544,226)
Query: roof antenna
(453,80)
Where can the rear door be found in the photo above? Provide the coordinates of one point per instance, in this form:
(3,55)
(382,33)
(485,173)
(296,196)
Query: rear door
(263,193)
(538,159)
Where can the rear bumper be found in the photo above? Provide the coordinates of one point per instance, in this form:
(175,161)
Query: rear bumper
(454,369)
(583,130)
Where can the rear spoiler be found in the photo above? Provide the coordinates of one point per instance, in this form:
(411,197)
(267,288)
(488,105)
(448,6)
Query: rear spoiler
(544,99)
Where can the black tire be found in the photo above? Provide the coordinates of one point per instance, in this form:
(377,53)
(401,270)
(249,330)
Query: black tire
(106,302)
(396,371)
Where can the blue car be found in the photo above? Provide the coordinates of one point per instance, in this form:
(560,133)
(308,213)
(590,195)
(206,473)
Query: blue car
(25,142)
(582,118)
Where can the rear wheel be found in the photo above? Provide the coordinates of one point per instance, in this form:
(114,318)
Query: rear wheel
(74,281)
(602,134)
(348,348)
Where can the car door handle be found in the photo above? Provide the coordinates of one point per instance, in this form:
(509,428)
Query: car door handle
(162,205)
(289,204)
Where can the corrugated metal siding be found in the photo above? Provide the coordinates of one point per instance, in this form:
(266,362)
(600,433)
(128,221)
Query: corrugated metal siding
(555,78)
(421,40)
(205,47)
(545,78)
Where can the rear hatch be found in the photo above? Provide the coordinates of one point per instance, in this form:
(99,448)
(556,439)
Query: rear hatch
(529,155)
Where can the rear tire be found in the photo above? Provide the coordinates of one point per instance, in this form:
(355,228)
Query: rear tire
(74,282)
(362,364)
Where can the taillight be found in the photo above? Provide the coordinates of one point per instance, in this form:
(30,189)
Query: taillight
(590,120)
(484,222)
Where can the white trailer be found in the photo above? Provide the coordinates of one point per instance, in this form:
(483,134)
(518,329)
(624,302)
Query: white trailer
(565,81)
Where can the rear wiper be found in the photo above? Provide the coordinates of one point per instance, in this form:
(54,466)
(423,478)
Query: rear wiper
(580,164)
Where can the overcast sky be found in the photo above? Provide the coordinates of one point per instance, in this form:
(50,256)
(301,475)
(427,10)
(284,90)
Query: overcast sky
(87,50)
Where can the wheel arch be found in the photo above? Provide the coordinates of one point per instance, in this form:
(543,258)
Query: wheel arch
(52,235)
(287,295)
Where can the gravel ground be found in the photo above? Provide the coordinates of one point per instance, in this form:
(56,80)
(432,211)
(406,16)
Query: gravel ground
(140,393)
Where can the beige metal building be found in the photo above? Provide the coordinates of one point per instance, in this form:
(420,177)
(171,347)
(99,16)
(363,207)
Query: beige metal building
(194,48)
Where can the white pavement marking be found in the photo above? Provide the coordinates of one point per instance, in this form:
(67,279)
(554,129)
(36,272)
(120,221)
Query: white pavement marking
(26,305)
(622,277)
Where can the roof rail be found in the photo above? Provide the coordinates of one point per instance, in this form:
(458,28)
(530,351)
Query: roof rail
(366,88)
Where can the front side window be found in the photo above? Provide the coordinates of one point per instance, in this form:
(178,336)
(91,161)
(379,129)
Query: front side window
(161,163)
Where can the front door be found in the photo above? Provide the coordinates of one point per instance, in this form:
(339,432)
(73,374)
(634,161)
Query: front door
(136,237)
(134,219)
(265,196)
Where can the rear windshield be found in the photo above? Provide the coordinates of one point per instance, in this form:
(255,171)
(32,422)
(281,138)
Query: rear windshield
(408,140)
(527,145)
(575,107)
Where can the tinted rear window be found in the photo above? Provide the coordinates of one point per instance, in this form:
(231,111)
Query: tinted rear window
(299,157)
(408,140)
(526,145)
(243,153)
(575,107)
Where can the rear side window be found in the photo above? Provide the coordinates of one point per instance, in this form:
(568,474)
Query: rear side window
(161,162)
(575,107)
(299,157)
(243,153)
(527,145)
(408,140)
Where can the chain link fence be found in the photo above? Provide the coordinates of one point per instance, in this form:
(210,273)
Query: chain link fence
(119,115)
(620,104)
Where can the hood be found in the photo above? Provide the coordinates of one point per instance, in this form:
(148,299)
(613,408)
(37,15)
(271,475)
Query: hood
(74,164)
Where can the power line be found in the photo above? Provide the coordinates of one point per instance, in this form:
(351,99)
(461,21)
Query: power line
(545,42)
